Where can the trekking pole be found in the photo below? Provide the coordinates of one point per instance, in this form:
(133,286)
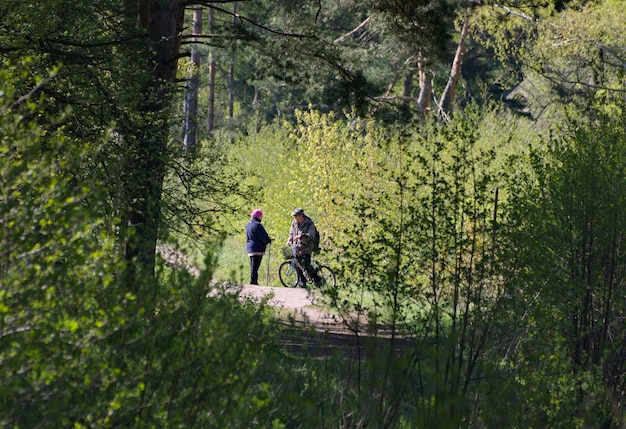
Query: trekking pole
(269,253)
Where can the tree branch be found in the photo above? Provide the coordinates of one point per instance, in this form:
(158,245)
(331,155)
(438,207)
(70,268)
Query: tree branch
(211,5)
(350,33)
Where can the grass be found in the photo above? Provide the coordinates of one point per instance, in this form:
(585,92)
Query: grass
(234,263)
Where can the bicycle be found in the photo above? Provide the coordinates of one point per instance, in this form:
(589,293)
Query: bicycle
(289,277)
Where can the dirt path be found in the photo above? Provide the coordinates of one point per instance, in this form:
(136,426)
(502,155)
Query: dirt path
(300,303)
(330,336)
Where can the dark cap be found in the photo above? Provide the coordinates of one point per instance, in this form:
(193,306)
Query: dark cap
(297,211)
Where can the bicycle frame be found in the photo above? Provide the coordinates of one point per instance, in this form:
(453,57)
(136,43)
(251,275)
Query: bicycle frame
(288,269)
(305,273)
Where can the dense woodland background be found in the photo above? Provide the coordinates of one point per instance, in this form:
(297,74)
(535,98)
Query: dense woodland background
(465,162)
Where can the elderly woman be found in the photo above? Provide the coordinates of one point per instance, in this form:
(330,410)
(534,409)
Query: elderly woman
(257,240)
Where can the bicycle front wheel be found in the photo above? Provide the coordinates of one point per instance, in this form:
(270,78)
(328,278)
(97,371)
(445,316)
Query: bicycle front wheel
(287,274)
(327,276)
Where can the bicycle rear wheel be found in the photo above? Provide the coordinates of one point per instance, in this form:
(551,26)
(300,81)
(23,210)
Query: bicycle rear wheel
(327,276)
(287,274)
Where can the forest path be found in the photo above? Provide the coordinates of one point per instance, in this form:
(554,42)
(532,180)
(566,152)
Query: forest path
(300,305)
(310,327)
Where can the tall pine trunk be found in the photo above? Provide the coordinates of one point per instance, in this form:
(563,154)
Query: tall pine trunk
(211,116)
(231,72)
(449,93)
(426,86)
(190,130)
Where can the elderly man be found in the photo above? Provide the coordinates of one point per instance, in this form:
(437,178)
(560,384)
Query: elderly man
(302,236)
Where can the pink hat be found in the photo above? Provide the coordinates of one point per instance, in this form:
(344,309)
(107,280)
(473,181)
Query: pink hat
(257,213)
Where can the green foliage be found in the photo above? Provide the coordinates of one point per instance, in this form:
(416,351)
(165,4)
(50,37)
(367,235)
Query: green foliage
(422,25)
(566,219)
(57,274)
(421,235)
(414,229)
(200,193)
(77,348)
(567,55)
(508,293)
(408,217)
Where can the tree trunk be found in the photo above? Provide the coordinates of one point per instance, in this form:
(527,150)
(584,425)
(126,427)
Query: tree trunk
(231,72)
(426,87)
(211,118)
(190,130)
(449,92)
(407,86)
(145,167)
